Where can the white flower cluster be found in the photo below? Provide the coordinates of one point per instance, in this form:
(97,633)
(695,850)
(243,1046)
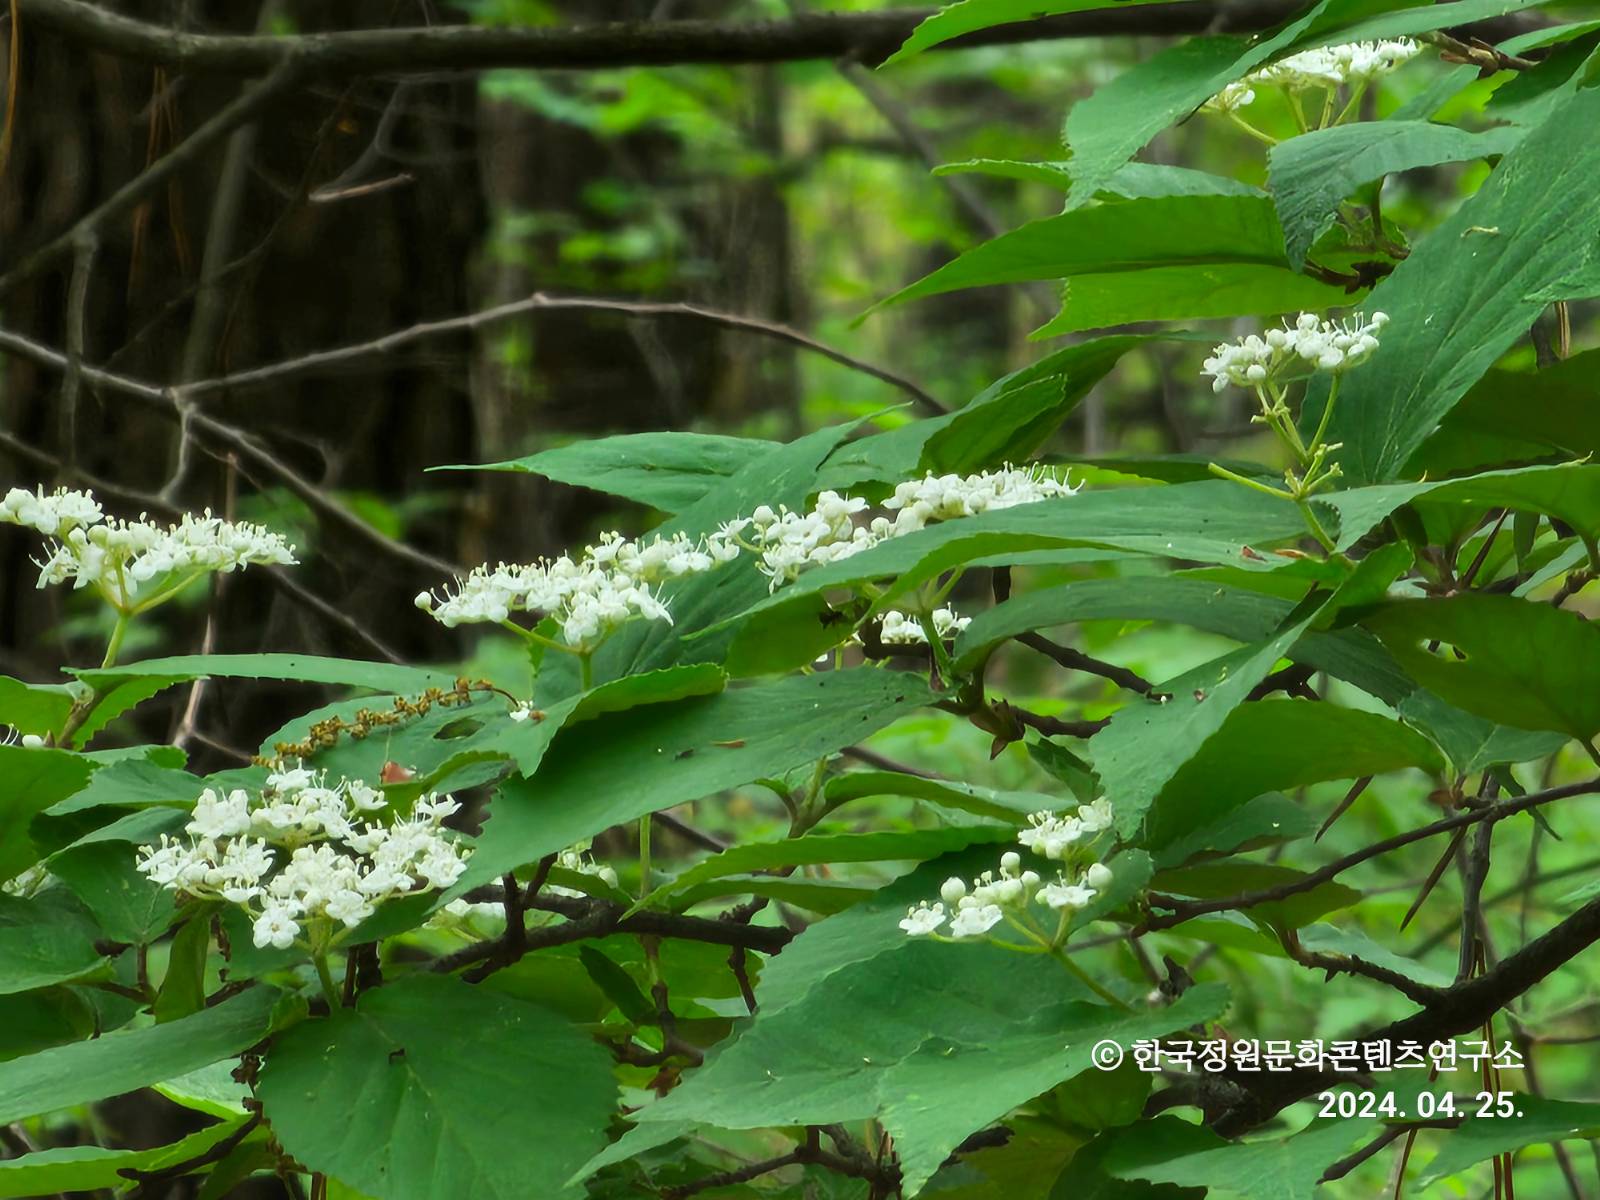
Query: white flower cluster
(608,585)
(116,557)
(974,909)
(902,630)
(578,859)
(1326,67)
(1309,343)
(1052,837)
(302,850)
(791,543)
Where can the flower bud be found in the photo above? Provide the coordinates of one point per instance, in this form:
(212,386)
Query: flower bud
(1010,862)
(952,891)
(1098,877)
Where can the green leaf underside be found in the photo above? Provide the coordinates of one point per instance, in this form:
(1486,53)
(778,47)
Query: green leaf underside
(72,1169)
(132,1058)
(1136,236)
(407,1096)
(1311,174)
(393,678)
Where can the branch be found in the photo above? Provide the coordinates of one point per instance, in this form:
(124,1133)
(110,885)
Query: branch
(1455,1010)
(1182,910)
(867,37)
(1076,660)
(543,302)
(588,918)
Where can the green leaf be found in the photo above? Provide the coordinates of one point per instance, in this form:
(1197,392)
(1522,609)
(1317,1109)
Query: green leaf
(44,940)
(935,1042)
(1132,181)
(183,989)
(1279,745)
(92,1168)
(1232,612)
(669,471)
(1510,415)
(669,754)
(1150,739)
(1537,1121)
(1461,299)
(1472,743)
(409,1095)
(128,907)
(30,782)
(132,1058)
(1311,174)
(815,848)
(1526,664)
(1272,1169)
(391,678)
(37,1020)
(135,783)
(1187,237)
(1191,292)
(968,16)
(33,708)
(1266,819)
(1569,492)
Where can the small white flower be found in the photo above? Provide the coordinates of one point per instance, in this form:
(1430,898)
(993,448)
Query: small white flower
(275,927)
(975,919)
(923,919)
(1065,895)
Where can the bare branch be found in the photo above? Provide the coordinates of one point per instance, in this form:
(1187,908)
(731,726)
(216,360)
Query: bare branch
(543,302)
(867,37)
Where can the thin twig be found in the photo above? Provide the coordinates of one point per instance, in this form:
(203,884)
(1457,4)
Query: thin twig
(1183,910)
(543,302)
(1076,660)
